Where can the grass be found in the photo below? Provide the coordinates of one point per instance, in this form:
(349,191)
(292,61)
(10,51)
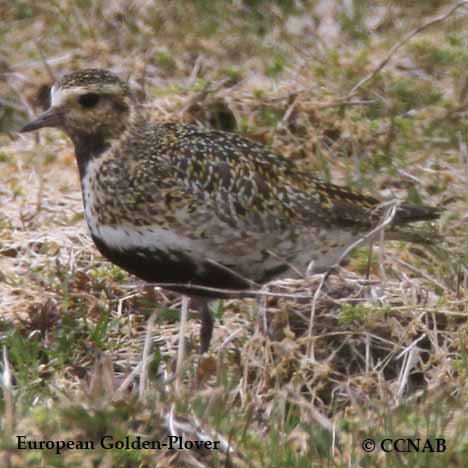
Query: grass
(382,351)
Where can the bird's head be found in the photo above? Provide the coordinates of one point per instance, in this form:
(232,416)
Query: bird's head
(87,103)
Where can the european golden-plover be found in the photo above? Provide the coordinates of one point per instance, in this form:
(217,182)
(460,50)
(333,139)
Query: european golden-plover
(201,210)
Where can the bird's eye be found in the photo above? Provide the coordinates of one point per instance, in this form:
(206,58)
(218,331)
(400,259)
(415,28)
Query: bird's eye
(88,100)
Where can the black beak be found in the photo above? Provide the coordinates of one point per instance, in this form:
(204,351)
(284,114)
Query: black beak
(51,118)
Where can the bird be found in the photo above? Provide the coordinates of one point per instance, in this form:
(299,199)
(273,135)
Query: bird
(203,212)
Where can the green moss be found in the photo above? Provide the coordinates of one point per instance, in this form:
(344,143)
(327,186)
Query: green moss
(360,313)
(26,355)
(329,66)
(99,333)
(275,66)
(108,272)
(244,125)
(168,91)
(353,20)
(233,74)
(268,117)
(359,260)
(165,60)
(435,57)
(414,196)
(50,158)
(4,157)
(259,93)
(411,93)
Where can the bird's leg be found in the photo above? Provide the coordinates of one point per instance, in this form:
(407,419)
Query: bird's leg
(206,328)
(207,322)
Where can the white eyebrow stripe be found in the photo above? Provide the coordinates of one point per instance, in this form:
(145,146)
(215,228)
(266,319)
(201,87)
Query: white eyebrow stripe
(59,96)
(56,96)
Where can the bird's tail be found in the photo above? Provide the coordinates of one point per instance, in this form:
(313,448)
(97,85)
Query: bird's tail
(408,213)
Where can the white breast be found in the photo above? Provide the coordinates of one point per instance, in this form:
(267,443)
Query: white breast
(125,236)
(147,237)
(88,199)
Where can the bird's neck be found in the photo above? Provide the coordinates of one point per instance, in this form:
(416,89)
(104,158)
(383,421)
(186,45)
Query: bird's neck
(88,147)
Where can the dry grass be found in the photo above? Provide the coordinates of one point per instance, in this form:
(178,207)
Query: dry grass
(302,375)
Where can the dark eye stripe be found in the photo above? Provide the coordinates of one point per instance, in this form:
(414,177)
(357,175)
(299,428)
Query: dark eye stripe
(88,100)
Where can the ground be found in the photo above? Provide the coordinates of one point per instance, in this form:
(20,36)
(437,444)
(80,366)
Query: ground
(374,97)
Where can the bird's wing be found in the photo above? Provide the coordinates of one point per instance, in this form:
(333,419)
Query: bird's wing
(248,185)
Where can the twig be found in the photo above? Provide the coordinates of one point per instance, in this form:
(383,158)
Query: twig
(390,215)
(209,88)
(382,256)
(27,106)
(449,114)
(420,272)
(284,120)
(45,62)
(27,218)
(142,77)
(286,262)
(237,293)
(107,374)
(345,102)
(263,306)
(232,272)
(146,354)
(316,415)
(195,70)
(310,347)
(410,354)
(463,152)
(369,259)
(181,348)
(370,76)
(7,394)
(230,338)
(128,380)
